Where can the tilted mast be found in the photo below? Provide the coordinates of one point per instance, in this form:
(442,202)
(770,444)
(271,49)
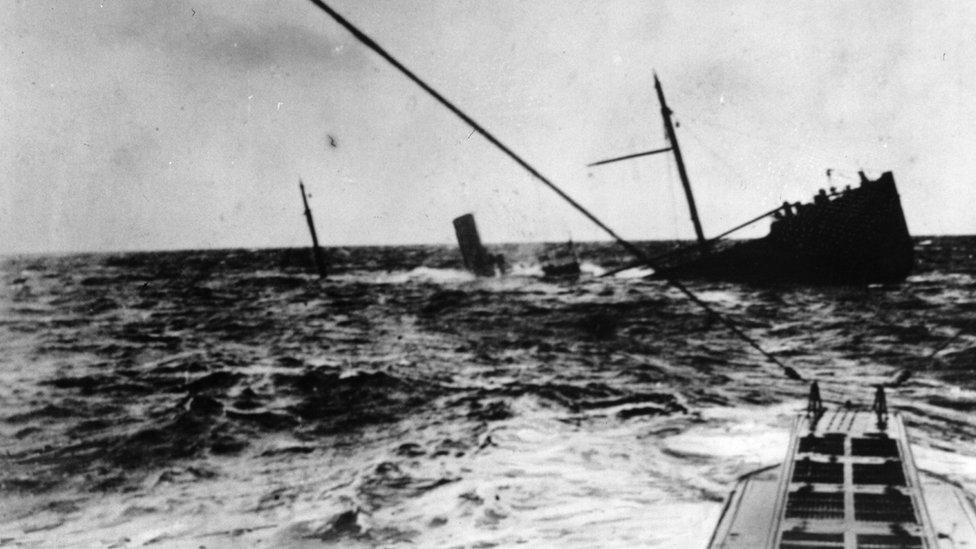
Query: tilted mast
(666,115)
(316,250)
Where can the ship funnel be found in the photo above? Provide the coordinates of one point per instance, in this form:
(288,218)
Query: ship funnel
(476,258)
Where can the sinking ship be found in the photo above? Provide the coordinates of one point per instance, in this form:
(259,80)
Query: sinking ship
(853,236)
(849,481)
(850,236)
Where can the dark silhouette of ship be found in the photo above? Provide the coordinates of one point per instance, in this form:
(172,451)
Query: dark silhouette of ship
(852,236)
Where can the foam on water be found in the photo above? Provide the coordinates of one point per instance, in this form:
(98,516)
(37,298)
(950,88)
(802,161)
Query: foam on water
(424,274)
(526,269)
(636,272)
(227,399)
(591,269)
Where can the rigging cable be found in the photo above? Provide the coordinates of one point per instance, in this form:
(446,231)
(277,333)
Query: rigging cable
(368,42)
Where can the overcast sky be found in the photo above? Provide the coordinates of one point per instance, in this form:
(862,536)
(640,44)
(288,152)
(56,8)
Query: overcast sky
(186,124)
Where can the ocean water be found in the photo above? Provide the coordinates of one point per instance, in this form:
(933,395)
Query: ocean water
(229,398)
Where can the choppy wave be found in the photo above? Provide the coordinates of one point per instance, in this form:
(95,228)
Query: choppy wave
(228,398)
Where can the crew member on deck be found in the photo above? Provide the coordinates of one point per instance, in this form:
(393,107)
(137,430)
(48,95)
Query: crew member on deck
(777,225)
(821,198)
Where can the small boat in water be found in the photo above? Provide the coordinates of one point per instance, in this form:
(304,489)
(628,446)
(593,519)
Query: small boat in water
(849,481)
(562,263)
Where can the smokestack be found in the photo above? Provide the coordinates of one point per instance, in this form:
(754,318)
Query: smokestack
(476,259)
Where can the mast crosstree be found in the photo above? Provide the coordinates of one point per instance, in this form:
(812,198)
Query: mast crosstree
(682,172)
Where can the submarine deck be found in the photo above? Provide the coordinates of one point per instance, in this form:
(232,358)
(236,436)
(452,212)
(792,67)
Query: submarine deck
(849,482)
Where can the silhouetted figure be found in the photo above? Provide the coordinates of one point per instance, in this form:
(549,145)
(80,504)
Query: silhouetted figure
(801,209)
(821,198)
(777,225)
(787,209)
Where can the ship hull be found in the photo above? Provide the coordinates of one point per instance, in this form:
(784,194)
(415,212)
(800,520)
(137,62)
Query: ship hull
(858,237)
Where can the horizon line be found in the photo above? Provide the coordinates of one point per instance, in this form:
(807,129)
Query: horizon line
(51,253)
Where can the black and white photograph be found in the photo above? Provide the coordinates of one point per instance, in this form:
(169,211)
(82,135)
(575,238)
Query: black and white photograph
(472,274)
